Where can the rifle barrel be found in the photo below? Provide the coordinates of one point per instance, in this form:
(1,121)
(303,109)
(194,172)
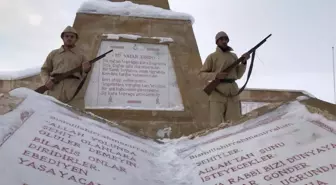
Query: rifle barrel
(259,44)
(100,57)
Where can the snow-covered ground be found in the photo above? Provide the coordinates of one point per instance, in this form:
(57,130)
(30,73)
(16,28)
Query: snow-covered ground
(46,143)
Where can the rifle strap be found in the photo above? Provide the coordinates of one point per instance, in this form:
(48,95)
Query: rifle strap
(248,74)
(78,88)
(248,77)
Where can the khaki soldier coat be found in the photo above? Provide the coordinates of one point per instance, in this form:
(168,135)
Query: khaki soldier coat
(222,107)
(60,61)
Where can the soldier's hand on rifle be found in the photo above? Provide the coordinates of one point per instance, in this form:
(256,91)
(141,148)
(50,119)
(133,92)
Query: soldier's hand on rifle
(86,66)
(49,84)
(246,56)
(221,76)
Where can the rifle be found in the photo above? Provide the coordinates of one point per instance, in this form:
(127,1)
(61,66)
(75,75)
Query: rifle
(214,83)
(59,77)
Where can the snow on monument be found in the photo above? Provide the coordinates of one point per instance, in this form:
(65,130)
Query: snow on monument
(45,142)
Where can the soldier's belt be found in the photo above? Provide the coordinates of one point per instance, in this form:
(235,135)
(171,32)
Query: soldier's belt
(68,77)
(227,81)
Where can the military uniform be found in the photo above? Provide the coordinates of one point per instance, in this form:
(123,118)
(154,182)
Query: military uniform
(60,61)
(222,105)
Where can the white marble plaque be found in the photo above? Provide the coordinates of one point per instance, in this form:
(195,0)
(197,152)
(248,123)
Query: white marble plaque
(279,151)
(56,149)
(134,76)
(247,107)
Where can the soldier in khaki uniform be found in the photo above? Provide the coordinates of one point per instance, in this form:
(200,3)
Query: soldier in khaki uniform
(223,106)
(61,60)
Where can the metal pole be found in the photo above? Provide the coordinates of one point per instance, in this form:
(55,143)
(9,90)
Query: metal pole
(333,60)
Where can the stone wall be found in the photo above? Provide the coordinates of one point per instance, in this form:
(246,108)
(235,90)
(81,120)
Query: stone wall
(30,82)
(251,99)
(248,95)
(269,95)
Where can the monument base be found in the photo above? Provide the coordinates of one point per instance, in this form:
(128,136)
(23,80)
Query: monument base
(154,124)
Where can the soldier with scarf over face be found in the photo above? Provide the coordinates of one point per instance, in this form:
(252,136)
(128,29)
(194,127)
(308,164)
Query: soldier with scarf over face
(223,105)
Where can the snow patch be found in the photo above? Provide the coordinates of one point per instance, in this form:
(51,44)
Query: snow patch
(308,94)
(136,37)
(128,8)
(19,74)
(300,98)
(126,36)
(288,90)
(165,132)
(163,39)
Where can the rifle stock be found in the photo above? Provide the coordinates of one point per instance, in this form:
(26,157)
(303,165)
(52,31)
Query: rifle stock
(59,77)
(41,89)
(211,86)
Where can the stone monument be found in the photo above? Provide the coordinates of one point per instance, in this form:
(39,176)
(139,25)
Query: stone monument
(149,82)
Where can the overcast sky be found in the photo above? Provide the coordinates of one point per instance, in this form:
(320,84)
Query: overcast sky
(297,56)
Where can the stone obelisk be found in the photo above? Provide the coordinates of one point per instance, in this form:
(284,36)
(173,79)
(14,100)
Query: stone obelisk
(149,82)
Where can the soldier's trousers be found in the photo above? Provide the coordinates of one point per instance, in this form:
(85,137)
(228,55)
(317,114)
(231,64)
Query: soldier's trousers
(224,112)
